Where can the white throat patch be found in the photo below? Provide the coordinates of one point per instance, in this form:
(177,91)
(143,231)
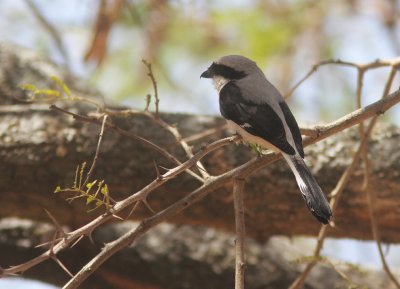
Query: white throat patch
(219,82)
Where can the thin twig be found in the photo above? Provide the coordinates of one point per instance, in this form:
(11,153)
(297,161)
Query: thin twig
(370,196)
(186,147)
(363,66)
(127,134)
(173,130)
(350,282)
(154,83)
(375,232)
(90,172)
(336,193)
(51,29)
(238,185)
(204,134)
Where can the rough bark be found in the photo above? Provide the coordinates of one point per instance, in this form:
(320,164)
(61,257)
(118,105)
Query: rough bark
(176,257)
(40,149)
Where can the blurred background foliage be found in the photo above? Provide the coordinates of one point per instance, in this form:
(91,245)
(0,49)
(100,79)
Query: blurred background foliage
(105,41)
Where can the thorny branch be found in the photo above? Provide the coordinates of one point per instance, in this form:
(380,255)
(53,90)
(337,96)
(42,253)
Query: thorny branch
(127,134)
(173,130)
(360,153)
(210,183)
(368,190)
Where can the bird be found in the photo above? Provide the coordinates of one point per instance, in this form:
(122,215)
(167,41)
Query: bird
(256,111)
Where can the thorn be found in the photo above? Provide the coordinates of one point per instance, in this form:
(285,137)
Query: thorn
(56,224)
(117,217)
(144,200)
(164,168)
(52,243)
(62,266)
(77,241)
(159,177)
(91,238)
(46,243)
(3,272)
(134,207)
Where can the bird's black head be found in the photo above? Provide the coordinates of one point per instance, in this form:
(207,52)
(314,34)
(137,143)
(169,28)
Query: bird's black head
(227,72)
(232,67)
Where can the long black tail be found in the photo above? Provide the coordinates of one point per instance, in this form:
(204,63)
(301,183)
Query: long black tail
(311,191)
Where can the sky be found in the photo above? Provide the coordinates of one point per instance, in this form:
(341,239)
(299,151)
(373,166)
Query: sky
(20,283)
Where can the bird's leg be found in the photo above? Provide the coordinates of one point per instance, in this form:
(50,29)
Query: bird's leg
(239,139)
(254,147)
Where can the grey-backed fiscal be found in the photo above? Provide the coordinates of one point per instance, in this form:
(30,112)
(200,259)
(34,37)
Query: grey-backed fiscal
(256,110)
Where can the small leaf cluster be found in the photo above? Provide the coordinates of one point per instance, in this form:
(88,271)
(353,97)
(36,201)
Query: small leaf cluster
(36,94)
(96,192)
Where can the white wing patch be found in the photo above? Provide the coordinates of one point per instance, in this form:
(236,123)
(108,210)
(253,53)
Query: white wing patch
(246,125)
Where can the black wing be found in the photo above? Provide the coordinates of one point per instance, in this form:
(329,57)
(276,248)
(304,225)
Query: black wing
(257,119)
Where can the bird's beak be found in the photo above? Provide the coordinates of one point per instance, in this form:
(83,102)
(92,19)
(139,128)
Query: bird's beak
(206,74)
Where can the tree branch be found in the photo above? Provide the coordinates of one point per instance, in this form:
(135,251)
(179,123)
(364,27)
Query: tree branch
(238,185)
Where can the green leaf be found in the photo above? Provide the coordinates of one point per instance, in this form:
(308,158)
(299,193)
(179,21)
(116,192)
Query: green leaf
(48,92)
(61,85)
(148,101)
(104,190)
(81,174)
(30,87)
(257,148)
(90,199)
(76,177)
(90,185)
